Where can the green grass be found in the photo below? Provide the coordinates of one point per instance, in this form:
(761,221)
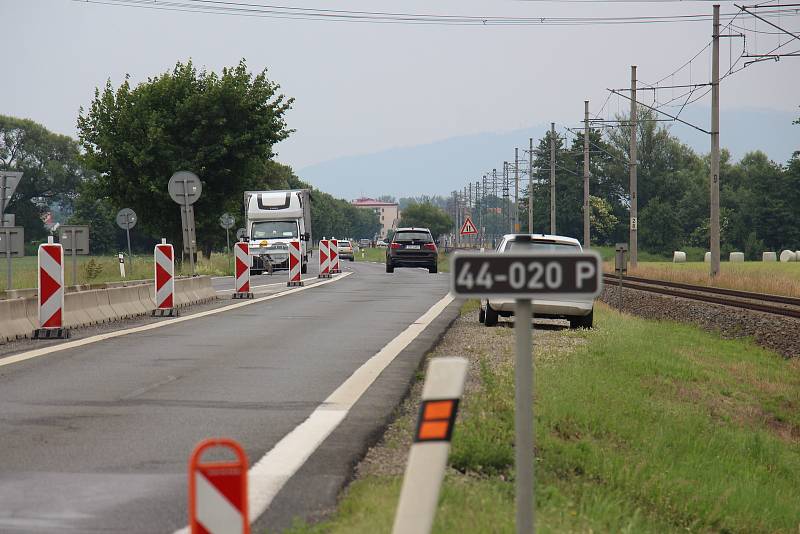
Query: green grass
(24,269)
(692,254)
(641,426)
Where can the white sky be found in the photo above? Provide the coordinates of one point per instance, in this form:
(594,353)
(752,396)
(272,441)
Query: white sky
(360,88)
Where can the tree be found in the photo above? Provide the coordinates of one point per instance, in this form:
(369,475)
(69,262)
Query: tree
(50,166)
(602,220)
(221,126)
(427,216)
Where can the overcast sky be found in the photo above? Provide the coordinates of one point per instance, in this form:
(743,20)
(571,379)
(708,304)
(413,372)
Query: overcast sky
(360,87)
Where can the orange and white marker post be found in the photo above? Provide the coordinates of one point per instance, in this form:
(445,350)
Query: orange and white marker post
(242,270)
(334,245)
(444,385)
(218,491)
(294,264)
(51,292)
(164,285)
(324,259)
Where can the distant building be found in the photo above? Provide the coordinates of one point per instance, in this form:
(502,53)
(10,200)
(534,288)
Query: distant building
(388,213)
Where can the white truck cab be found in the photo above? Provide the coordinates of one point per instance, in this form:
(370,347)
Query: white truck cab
(273,219)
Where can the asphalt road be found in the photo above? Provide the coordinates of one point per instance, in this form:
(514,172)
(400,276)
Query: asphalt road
(97,438)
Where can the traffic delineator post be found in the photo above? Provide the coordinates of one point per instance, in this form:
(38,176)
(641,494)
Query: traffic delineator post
(51,292)
(294,265)
(218,490)
(441,393)
(334,248)
(324,259)
(242,263)
(164,280)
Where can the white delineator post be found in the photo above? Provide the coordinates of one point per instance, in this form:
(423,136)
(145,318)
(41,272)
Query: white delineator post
(242,263)
(51,292)
(334,253)
(164,285)
(121,257)
(294,264)
(324,259)
(444,385)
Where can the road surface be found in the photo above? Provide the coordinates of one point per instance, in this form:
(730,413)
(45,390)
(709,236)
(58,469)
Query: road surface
(97,438)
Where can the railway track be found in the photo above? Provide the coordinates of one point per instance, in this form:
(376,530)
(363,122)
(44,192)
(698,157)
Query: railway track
(763,302)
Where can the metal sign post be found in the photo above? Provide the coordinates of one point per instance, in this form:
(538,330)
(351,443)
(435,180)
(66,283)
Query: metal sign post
(9,180)
(227,221)
(620,267)
(523,277)
(12,244)
(75,240)
(126,219)
(185,188)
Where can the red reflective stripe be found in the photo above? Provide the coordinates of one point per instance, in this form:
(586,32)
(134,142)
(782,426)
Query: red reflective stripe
(432,430)
(438,410)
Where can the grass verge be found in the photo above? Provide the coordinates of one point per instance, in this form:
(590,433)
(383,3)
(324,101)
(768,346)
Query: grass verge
(641,426)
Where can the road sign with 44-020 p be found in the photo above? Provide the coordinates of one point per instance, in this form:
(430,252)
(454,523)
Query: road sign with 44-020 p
(527,275)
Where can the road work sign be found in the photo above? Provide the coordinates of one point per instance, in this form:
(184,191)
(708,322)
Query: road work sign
(468,228)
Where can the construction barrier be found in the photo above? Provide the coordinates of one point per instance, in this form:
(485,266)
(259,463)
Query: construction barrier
(444,385)
(334,247)
(324,259)
(164,281)
(218,490)
(51,293)
(242,262)
(294,264)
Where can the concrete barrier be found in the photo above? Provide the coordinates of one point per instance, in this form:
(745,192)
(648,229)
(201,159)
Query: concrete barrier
(769,256)
(678,257)
(14,322)
(736,257)
(787,256)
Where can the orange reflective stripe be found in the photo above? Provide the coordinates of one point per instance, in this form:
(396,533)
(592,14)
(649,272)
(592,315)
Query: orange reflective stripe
(438,410)
(433,430)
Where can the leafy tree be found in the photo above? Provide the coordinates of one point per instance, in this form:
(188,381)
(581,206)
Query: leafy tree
(221,126)
(50,166)
(602,220)
(427,216)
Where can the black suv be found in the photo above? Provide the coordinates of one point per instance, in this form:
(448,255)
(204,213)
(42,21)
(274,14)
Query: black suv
(412,247)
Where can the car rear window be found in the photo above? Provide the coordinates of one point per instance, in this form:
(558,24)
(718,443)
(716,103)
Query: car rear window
(541,246)
(412,236)
(344,243)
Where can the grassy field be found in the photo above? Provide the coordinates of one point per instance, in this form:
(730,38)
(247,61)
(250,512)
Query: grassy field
(106,269)
(641,426)
(379,255)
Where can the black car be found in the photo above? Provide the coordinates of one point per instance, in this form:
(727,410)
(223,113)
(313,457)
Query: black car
(412,247)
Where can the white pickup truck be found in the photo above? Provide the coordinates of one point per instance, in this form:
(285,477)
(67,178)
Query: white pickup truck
(274,218)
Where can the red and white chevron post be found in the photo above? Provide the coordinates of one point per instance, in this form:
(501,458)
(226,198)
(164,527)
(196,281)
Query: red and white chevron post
(164,259)
(242,270)
(335,256)
(324,259)
(51,292)
(294,264)
(218,490)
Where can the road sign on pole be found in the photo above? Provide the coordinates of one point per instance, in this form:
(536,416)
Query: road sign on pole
(185,188)
(523,277)
(12,244)
(75,240)
(468,228)
(126,219)
(9,180)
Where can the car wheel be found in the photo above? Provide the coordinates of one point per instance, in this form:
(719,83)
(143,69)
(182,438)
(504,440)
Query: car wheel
(389,268)
(433,269)
(582,322)
(490,316)
(481,314)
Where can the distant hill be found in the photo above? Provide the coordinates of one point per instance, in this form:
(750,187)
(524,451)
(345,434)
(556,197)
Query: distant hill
(440,167)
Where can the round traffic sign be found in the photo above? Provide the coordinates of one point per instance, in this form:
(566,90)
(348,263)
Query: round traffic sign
(227,221)
(185,187)
(241,233)
(126,218)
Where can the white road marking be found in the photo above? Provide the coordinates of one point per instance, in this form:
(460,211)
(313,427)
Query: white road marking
(264,285)
(152,326)
(269,474)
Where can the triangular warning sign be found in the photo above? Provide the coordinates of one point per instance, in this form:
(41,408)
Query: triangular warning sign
(468,228)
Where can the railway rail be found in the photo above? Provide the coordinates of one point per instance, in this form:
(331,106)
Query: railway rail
(762,302)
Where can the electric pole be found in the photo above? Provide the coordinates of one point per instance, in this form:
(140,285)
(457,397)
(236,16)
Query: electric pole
(530,186)
(715,147)
(506,198)
(552,178)
(586,210)
(632,157)
(494,194)
(516,190)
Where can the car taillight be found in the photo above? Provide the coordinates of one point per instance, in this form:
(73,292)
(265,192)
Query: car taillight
(430,246)
(395,245)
